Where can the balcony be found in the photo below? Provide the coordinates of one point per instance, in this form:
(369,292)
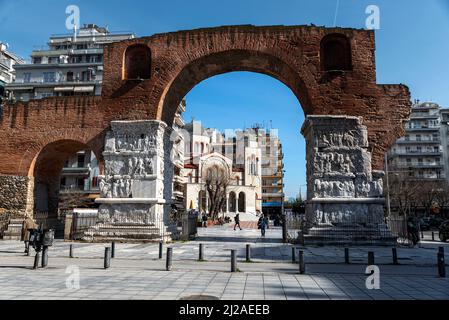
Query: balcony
(31,85)
(60,52)
(273,195)
(423,129)
(57,65)
(417,153)
(78,190)
(429,141)
(75,172)
(423,165)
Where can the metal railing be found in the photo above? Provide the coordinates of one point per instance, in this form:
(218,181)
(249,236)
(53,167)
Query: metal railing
(398,227)
(81,222)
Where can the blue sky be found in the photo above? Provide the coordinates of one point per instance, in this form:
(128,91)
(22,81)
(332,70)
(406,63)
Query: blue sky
(412,48)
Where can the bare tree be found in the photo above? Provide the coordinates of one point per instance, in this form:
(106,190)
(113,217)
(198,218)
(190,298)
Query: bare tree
(403,193)
(442,196)
(217,182)
(428,195)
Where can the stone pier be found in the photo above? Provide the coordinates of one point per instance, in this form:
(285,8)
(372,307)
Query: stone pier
(345,202)
(136,190)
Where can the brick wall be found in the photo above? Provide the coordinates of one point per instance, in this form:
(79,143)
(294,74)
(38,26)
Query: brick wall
(180,60)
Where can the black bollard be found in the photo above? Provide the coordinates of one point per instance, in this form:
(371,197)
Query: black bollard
(169,262)
(441,265)
(422,234)
(161,249)
(201,255)
(233,260)
(44,257)
(248,253)
(395,256)
(113,250)
(107,258)
(302,263)
(371,258)
(433,236)
(347,255)
(36,260)
(293,254)
(71,251)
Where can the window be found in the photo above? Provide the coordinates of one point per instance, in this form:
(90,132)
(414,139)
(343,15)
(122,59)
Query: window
(336,53)
(137,63)
(37,60)
(49,77)
(418,149)
(80,183)
(70,76)
(27,77)
(407,138)
(81,160)
(418,137)
(46,95)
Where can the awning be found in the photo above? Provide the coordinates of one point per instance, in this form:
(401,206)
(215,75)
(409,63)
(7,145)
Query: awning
(272,204)
(85,89)
(19,88)
(63,89)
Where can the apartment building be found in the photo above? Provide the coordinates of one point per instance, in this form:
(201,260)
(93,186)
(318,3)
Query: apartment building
(8,62)
(70,65)
(423,152)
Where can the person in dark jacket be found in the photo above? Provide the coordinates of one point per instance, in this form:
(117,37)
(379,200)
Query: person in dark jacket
(27,226)
(263,225)
(237,222)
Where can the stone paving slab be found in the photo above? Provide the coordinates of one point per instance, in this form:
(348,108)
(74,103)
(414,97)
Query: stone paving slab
(137,273)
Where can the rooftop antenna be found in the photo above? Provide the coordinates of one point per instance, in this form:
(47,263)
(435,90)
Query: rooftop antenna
(74,32)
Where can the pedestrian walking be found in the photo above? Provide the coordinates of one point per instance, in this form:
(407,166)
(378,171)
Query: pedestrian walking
(28,225)
(237,222)
(205,220)
(263,222)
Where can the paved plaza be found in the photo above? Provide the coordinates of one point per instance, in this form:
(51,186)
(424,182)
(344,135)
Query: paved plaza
(137,273)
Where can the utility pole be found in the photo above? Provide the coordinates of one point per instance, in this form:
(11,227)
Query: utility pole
(388,185)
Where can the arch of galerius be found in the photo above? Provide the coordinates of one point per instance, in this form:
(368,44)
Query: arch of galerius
(351,121)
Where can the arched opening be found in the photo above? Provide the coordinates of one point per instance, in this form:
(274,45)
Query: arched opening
(242,202)
(258,183)
(225,62)
(336,53)
(246,193)
(65,176)
(232,202)
(137,63)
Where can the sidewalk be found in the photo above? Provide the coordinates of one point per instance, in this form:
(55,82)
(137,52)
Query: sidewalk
(137,273)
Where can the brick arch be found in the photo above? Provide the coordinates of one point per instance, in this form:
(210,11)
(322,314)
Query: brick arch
(214,64)
(46,168)
(68,139)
